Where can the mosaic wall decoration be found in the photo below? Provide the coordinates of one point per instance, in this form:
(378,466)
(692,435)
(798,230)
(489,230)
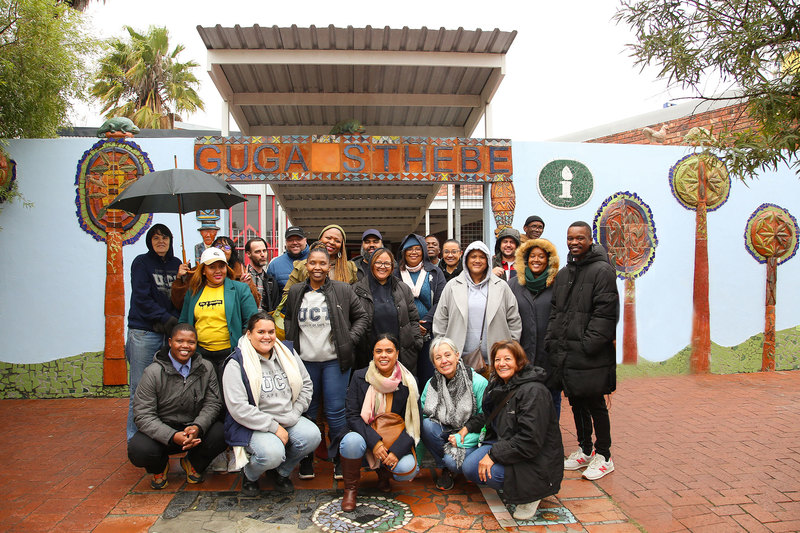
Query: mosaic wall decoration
(104,171)
(504,200)
(71,377)
(565,184)
(700,183)
(624,226)
(374,513)
(354,158)
(8,173)
(684,183)
(770,236)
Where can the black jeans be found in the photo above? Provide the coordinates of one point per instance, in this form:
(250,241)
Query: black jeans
(153,456)
(588,410)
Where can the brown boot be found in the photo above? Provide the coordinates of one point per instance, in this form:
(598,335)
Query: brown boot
(351,474)
(384,479)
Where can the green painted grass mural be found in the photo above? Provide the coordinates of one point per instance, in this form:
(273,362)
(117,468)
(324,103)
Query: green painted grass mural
(744,357)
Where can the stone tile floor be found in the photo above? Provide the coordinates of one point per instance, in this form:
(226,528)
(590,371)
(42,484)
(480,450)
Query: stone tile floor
(693,453)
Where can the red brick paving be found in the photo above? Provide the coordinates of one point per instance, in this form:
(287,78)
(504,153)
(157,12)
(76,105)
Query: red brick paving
(693,453)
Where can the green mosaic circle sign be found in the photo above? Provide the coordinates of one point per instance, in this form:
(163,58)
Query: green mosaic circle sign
(565,184)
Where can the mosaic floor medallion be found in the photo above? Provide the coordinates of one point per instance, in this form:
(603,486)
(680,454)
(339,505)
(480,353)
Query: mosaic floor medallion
(374,513)
(547,517)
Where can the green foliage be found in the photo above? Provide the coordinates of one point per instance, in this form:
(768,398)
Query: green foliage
(750,46)
(42,47)
(141,79)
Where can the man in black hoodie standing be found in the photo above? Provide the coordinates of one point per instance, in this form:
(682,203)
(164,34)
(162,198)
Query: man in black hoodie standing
(151,314)
(580,339)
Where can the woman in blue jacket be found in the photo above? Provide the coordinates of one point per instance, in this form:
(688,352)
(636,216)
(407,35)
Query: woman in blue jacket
(217,306)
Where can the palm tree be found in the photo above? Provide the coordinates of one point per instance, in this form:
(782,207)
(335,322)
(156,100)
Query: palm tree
(140,79)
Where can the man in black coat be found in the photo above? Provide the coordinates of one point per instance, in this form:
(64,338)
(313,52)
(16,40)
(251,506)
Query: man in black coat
(580,339)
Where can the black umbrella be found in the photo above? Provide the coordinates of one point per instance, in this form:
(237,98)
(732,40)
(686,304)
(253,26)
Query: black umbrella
(177,190)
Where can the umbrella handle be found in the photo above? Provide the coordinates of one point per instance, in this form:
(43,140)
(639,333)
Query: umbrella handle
(180,219)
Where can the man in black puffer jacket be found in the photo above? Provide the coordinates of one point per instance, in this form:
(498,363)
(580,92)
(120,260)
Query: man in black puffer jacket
(581,342)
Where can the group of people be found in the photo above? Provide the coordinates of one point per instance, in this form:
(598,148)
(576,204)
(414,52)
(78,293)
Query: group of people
(468,352)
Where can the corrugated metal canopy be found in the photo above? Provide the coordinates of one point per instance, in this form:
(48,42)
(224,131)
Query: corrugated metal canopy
(404,82)
(302,81)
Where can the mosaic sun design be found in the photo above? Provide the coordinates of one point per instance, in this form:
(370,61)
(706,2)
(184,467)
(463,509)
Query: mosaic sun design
(771,231)
(624,226)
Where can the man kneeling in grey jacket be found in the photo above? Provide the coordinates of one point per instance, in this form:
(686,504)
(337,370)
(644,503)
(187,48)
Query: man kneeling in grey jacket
(175,409)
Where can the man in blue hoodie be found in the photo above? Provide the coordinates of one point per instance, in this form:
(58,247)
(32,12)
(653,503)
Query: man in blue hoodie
(151,314)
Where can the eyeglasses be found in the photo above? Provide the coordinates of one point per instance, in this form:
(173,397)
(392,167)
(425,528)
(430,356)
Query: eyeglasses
(224,248)
(382,264)
(451,252)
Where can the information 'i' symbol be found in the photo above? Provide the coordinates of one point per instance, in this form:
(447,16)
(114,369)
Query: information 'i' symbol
(566,183)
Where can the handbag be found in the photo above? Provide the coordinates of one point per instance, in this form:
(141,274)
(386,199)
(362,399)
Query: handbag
(389,426)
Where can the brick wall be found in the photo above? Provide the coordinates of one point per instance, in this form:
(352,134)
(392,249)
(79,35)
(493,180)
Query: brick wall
(734,116)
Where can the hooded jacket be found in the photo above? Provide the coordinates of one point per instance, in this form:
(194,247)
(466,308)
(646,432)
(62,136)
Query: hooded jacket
(151,280)
(528,439)
(534,310)
(497,260)
(165,402)
(502,315)
(583,325)
(407,318)
(349,321)
(435,278)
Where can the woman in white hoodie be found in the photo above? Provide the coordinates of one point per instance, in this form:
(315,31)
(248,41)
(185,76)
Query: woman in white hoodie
(477,308)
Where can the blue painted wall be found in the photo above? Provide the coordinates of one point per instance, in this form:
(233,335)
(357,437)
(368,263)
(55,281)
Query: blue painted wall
(52,287)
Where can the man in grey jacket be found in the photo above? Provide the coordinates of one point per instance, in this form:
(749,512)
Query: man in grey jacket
(175,409)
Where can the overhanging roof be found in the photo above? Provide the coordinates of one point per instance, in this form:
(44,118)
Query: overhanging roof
(302,81)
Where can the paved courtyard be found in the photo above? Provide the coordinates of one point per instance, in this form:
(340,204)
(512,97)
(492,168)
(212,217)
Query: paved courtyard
(693,453)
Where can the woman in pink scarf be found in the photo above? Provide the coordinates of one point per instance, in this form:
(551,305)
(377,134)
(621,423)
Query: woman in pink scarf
(385,386)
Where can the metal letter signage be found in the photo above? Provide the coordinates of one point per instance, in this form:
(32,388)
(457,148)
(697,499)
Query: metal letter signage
(354,158)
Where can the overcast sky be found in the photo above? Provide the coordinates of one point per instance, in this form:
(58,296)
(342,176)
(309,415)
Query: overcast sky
(566,71)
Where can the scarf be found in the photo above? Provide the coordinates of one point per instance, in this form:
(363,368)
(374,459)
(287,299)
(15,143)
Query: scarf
(533,283)
(252,368)
(375,400)
(450,404)
(416,288)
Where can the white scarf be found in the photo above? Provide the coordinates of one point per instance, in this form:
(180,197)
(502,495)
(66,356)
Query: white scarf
(252,368)
(416,288)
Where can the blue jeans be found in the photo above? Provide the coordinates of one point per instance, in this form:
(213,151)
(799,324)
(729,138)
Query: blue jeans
(330,382)
(140,348)
(354,446)
(267,452)
(470,469)
(435,437)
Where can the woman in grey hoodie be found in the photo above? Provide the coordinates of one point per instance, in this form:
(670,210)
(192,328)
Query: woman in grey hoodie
(477,302)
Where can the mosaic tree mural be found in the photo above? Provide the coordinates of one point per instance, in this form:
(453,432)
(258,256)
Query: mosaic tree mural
(700,183)
(770,236)
(104,171)
(504,200)
(624,226)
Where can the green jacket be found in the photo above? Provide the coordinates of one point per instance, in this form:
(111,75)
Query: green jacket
(239,307)
(479,384)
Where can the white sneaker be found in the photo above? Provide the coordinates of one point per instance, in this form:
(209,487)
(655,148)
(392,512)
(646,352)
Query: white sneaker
(526,511)
(598,468)
(578,460)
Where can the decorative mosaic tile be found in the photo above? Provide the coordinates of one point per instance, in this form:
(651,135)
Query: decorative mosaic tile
(71,377)
(374,513)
